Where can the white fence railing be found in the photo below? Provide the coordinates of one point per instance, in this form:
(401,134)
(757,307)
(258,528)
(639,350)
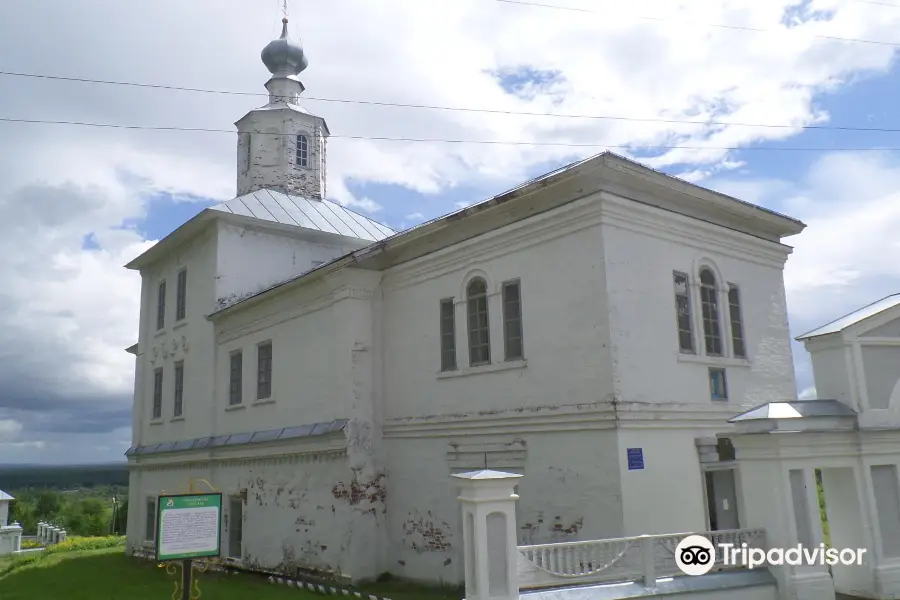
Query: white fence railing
(642,558)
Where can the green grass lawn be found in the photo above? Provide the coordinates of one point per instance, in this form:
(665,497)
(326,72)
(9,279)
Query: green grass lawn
(108,574)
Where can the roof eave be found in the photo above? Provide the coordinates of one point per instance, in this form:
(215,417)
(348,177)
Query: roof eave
(181,234)
(779,224)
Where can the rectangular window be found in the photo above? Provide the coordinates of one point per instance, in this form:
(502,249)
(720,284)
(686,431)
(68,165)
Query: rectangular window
(683,317)
(448,335)
(236,379)
(737,322)
(150,521)
(718,386)
(264,371)
(161,306)
(302,158)
(181,296)
(179,389)
(157,393)
(512,321)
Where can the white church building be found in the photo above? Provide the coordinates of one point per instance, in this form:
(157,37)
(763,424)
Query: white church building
(592,329)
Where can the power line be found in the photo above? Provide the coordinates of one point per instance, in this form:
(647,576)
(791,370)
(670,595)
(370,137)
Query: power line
(448,141)
(462,108)
(699,23)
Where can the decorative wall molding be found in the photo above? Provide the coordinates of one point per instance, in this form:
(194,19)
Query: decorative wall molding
(292,458)
(578,417)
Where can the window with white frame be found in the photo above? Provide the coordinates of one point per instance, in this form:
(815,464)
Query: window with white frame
(479,331)
(235,378)
(709,304)
(738,343)
(448,335)
(683,315)
(181,295)
(264,371)
(513,347)
(157,393)
(302,157)
(718,385)
(161,305)
(178,404)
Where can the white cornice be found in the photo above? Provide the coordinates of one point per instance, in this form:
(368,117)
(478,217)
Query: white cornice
(632,216)
(327,444)
(564,220)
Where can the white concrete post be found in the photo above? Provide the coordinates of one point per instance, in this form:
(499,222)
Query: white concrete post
(62,535)
(648,561)
(489,534)
(40,532)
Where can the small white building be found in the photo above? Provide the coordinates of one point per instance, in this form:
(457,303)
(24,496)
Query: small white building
(10,533)
(592,329)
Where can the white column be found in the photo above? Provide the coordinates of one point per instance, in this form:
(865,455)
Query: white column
(40,532)
(489,534)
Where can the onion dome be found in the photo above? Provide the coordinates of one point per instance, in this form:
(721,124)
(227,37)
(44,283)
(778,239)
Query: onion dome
(284,57)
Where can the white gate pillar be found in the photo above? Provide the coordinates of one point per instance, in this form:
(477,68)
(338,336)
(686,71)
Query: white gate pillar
(489,534)
(782,500)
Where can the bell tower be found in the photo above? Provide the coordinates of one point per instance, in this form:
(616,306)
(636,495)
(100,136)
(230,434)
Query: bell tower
(281,146)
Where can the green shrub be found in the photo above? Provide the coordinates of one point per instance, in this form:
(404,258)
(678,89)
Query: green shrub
(29,544)
(75,544)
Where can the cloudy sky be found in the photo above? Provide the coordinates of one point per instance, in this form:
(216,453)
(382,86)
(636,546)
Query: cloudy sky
(78,202)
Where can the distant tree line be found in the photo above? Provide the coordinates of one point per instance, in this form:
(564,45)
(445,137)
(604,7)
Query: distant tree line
(62,478)
(90,512)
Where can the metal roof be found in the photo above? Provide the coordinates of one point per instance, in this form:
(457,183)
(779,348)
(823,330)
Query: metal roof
(796,409)
(853,318)
(240,439)
(320,215)
(5,496)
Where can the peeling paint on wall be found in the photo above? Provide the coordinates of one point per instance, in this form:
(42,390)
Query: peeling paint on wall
(356,492)
(424,533)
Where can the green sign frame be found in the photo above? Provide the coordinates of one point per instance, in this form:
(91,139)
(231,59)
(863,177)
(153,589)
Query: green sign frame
(183,526)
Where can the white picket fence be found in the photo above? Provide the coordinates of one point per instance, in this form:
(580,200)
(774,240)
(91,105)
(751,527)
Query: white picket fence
(642,558)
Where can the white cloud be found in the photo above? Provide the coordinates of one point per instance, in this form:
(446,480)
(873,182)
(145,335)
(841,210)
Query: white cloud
(846,257)
(70,312)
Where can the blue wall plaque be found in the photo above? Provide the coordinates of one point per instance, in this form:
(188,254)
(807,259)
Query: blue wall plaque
(635,459)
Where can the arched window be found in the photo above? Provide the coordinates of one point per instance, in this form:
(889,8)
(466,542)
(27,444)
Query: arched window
(709,301)
(302,158)
(479,332)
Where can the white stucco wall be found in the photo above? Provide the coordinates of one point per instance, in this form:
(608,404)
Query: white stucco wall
(557,256)
(251,259)
(190,340)
(830,371)
(543,416)
(298,511)
(642,247)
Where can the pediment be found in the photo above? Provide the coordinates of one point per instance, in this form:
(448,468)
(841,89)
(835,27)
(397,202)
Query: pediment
(887,329)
